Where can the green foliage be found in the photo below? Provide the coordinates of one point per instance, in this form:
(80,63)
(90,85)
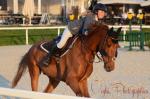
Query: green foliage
(148,44)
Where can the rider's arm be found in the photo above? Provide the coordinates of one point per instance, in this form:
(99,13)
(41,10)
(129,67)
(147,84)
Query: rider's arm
(89,20)
(75,26)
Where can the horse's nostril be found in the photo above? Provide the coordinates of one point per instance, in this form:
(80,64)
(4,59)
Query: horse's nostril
(108,69)
(113,59)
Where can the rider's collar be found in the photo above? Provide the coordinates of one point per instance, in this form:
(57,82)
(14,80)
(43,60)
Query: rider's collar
(96,18)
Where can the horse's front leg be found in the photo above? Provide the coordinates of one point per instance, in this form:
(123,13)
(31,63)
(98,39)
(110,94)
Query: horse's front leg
(74,85)
(84,88)
(51,85)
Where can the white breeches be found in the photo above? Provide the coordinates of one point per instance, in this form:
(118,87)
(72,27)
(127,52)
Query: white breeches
(65,36)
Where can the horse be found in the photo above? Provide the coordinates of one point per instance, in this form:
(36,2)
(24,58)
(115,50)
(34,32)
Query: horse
(76,65)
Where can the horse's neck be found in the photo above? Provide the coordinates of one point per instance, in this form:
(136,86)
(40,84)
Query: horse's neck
(94,40)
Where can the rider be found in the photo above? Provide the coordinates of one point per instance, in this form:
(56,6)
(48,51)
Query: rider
(97,15)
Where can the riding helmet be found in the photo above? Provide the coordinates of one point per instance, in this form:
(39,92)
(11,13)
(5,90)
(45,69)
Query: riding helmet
(99,6)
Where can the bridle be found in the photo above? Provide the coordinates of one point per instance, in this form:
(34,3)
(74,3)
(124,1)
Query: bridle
(100,49)
(103,52)
(83,43)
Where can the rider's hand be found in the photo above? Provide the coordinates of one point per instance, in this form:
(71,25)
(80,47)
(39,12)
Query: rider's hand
(86,33)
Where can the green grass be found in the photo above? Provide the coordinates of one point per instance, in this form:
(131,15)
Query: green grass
(17,37)
(146,30)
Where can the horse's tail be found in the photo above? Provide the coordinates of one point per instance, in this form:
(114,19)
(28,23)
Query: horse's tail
(21,69)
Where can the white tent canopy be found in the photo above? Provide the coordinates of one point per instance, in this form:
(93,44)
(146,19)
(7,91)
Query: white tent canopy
(28,9)
(121,1)
(140,2)
(145,3)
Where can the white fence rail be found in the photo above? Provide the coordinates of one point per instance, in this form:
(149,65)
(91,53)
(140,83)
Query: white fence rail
(28,28)
(124,29)
(7,93)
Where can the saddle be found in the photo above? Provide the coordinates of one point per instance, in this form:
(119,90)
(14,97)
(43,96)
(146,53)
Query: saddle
(46,46)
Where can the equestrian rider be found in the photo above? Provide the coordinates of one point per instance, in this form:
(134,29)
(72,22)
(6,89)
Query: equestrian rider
(97,15)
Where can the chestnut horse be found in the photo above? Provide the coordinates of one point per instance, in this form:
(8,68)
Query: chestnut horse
(77,65)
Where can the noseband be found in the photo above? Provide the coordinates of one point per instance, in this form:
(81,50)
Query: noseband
(102,51)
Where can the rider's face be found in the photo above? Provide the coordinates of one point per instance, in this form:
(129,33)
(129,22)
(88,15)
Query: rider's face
(100,14)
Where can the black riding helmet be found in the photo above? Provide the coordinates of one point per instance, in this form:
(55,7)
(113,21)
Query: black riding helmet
(99,6)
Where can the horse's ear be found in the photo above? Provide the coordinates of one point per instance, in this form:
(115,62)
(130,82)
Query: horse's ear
(112,29)
(110,32)
(119,30)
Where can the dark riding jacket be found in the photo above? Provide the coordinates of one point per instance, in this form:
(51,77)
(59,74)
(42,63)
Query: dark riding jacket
(81,25)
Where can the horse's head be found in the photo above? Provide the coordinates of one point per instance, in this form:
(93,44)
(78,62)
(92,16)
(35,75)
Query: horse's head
(108,49)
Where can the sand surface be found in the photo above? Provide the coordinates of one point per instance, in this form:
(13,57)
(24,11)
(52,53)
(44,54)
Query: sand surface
(129,80)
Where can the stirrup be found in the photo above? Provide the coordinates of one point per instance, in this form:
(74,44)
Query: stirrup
(44,62)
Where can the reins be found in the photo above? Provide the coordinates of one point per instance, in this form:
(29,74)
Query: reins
(84,44)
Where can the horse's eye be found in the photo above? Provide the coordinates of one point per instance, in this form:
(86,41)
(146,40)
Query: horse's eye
(103,53)
(114,41)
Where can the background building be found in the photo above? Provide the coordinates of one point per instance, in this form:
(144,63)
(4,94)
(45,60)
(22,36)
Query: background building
(55,6)
(3,4)
(47,6)
(116,8)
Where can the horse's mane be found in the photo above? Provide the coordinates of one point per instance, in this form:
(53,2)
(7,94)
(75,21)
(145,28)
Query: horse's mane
(97,27)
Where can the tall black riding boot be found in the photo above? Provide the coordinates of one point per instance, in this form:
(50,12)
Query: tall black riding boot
(46,60)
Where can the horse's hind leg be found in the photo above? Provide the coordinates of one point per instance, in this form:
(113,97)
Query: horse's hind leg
(51,85)
(34,72)
(84,88)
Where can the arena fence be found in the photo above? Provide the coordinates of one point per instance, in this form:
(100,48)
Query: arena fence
(133,38)
(29,28)
(136,39)
(7,93)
